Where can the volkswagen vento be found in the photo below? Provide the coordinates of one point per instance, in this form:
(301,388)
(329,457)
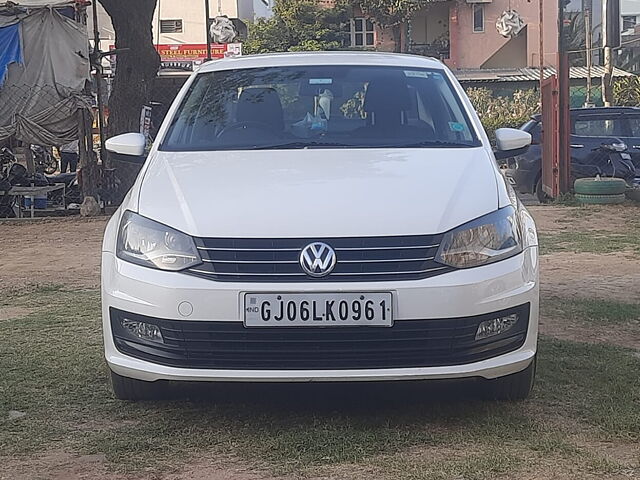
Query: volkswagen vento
(312,217)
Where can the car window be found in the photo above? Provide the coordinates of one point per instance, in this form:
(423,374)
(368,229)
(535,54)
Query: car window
(634,126)
(598,126)
(535,129)
(299,107)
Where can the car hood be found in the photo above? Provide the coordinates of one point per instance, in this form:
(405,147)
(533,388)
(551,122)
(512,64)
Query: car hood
(318,192)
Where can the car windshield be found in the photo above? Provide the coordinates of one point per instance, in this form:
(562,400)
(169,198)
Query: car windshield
(320,107)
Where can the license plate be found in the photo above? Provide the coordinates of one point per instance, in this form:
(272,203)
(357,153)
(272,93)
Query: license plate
(317,309)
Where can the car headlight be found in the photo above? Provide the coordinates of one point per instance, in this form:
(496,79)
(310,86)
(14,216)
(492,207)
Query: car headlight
(151,244)
(482,241)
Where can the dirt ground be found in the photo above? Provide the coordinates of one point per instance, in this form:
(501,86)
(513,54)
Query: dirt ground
(51,251)
(67,251)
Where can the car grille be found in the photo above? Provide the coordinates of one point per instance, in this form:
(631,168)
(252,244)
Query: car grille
(408,343)
(359,259)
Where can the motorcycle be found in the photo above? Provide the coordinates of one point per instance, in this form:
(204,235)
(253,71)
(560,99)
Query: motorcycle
(43,160)
(13,174)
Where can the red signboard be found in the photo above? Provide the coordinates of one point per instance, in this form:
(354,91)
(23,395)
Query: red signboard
(186,56)
(190,52)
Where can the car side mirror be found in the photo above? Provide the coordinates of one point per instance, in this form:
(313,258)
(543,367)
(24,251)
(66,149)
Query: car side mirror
(511,142)
(128,147)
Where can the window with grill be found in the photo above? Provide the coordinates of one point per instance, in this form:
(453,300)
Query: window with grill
(629,22)
(170,26)
(363,33)
(478,18)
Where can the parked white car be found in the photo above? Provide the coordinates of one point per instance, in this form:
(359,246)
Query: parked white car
(321,217)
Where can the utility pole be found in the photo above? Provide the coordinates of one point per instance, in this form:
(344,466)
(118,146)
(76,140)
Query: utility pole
(611,32)
(541,55)
(96,49)
(564,155)
(589,45)
(207,15)
(607,79)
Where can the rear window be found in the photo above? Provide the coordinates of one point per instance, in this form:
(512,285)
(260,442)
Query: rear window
(598,126)
(634,125)
(323,106)
(534,128)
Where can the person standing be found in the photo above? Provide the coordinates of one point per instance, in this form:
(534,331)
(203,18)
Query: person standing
(69,157)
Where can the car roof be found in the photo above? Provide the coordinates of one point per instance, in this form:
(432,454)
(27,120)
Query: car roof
(321,58)
(595,111)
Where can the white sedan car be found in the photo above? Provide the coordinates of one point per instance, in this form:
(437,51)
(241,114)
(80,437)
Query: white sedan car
(311,217)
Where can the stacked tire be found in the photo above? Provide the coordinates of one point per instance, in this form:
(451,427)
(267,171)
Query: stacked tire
(600,190)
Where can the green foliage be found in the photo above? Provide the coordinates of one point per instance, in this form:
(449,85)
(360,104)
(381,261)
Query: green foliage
(300,25)
(389,13)
(626,92)
(499,111)
(266,35)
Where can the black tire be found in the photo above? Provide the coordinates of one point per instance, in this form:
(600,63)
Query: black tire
(51,166)
(514,387)
(125,388)
(601,186)
(601,199)
(540,194)
(633,194)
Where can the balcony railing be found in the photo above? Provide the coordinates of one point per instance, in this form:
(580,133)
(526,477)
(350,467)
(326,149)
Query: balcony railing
(438,51)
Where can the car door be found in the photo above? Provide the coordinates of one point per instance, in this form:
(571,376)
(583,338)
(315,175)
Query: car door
(632,136)
(588,132)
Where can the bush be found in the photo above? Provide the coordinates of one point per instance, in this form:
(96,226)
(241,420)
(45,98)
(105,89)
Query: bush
(500,111)
(626,92)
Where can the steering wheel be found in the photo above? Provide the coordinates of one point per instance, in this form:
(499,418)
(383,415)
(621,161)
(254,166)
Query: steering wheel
(246,125)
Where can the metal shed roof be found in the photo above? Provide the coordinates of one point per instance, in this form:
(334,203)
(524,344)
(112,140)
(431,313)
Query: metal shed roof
(530,74)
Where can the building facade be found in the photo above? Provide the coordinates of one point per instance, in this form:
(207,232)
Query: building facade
(183,21)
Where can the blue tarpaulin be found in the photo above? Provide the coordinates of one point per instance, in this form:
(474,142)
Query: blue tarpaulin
(10,49)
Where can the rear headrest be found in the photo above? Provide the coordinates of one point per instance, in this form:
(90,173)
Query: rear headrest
(389,94)
(261,104)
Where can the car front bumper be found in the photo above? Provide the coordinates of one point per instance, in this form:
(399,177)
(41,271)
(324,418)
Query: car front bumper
(458,295)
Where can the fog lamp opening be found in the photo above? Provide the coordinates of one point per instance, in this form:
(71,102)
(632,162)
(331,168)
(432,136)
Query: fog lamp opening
(496,326)
(142,330)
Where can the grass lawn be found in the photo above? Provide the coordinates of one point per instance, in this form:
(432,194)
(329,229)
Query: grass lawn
(51,369)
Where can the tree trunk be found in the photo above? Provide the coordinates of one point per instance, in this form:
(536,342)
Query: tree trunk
(397,38)
(137,67)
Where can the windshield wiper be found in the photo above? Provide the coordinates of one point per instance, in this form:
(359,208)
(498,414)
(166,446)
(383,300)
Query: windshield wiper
(301,145)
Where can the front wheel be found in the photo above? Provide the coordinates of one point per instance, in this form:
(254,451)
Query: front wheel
(125,388)
(540,193)
(51,166)
(514,387)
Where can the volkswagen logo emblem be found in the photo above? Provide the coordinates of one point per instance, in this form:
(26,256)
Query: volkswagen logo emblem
(318,259)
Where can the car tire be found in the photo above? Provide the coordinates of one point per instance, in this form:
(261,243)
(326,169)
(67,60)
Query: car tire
(514,387)
(601,199)
(125,388)
(540,193)
(633,194)
(600,186)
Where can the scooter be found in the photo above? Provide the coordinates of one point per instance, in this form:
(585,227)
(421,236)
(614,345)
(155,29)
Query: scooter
(608,160)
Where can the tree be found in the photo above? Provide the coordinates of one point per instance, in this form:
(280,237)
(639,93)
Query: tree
(136,67)
(391,14)
(299,25)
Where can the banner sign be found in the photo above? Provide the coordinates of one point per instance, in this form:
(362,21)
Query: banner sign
(187,56)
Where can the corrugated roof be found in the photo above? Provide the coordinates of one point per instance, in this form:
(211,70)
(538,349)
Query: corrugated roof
(530,74)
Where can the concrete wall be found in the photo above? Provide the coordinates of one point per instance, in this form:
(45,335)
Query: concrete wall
(430,23)
(472,50)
